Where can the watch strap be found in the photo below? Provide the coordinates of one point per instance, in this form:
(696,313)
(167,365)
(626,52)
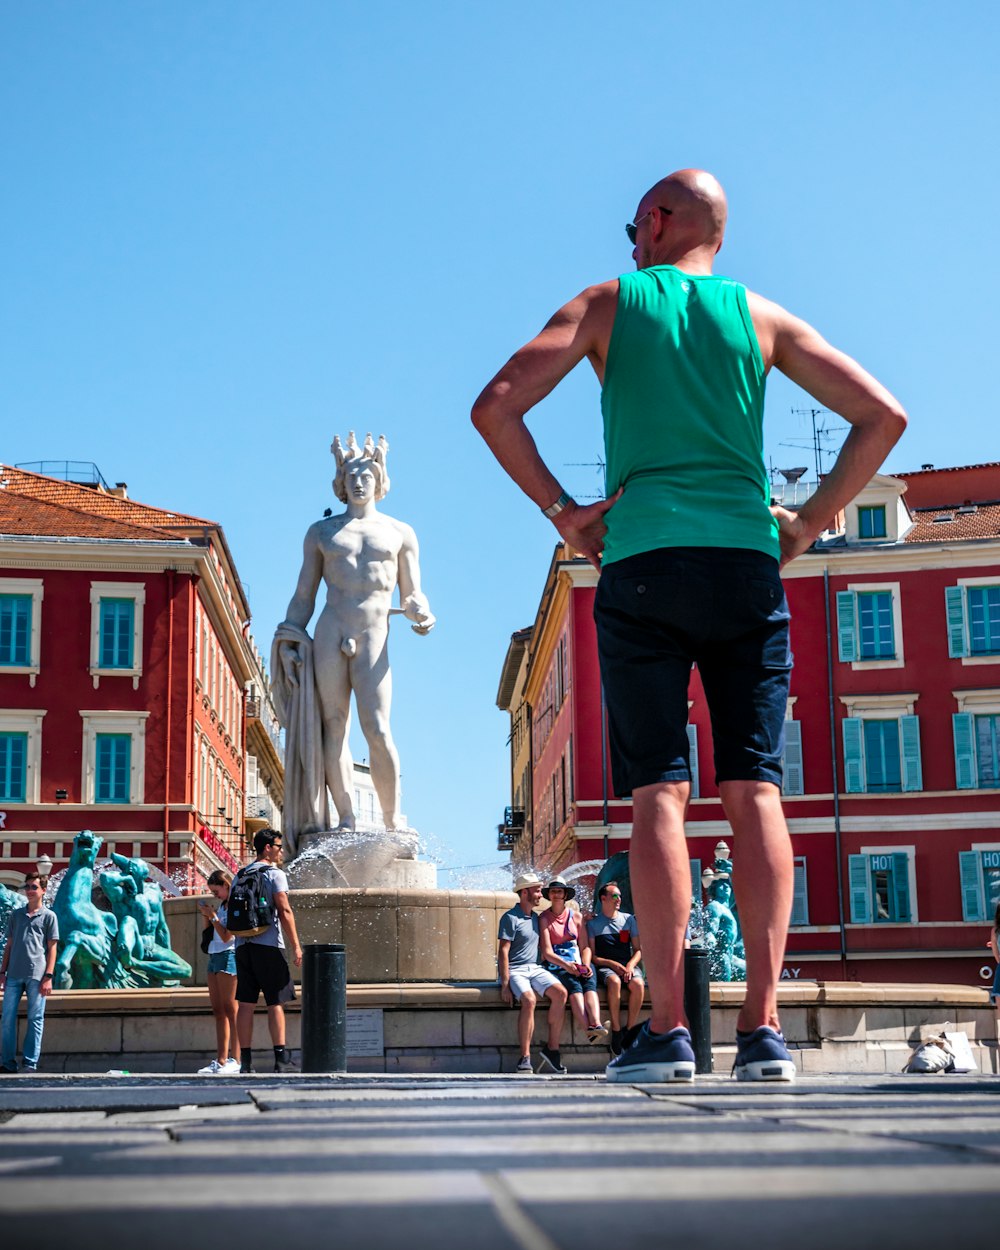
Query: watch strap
(562,502)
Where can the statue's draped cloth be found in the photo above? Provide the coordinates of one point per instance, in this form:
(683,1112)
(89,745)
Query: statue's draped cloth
(306,808)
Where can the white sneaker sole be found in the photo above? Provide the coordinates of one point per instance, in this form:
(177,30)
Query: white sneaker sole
(767,1070)
(651,1073)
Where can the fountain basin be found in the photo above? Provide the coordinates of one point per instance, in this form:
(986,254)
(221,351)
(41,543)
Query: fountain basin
(391,935)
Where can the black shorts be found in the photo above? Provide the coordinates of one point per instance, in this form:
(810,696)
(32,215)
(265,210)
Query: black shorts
(262,970)
(659,613)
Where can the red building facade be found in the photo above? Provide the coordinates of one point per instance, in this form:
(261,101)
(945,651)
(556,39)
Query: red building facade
(123,662)
(892,764)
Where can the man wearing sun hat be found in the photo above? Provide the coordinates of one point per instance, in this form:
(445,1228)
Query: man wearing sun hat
(522,977)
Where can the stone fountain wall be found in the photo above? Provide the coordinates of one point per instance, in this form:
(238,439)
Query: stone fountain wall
(391,935)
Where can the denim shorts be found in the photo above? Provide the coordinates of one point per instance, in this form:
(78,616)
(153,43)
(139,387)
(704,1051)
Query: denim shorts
(659,613)
(223,961)
(572,983)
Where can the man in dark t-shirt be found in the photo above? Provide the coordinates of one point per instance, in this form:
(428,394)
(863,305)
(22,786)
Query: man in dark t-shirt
(29,959)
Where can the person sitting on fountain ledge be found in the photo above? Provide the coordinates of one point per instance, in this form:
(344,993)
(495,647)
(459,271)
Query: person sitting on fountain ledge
(261,968)
(522,977)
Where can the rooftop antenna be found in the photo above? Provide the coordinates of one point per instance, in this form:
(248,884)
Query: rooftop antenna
(821,433)
(601,468)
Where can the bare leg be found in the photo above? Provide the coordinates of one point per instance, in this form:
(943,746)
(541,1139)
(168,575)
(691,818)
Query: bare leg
(227,991)
(276,1024)
(334,686)
(593,1006)
(614,992)
(244,1024)
(557,1013)
(372,682)
(660,872)
(636,992)
(221,1018)
(526,1022)
(763,888)
(576,1007)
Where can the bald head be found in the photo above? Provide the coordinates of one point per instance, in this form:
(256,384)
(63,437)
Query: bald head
(697,206)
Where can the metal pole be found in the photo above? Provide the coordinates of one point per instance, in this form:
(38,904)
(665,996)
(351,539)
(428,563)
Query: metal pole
(697,1005)
(324,1008)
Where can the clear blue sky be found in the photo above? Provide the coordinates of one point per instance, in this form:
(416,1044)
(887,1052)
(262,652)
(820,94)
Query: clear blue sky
(235,229)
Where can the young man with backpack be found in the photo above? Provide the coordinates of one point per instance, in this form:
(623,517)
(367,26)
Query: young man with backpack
(260,916)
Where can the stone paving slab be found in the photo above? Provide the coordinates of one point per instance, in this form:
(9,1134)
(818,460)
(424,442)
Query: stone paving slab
(510,1164)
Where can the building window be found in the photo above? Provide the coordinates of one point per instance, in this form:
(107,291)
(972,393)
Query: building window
(117,627)
(116,630)
(800,894)
(871,522)
(15,630)
(792,781)
(113,766)
(882,756)
(977,750)
(692,731)
(979,873)
(20,754)
(13,767)
(114,757)
(875,632)
(973,618)
(20,621)
(869,626)
(879,885)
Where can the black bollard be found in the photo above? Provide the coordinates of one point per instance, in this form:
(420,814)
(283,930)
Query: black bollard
(324,1008)
(697,1006)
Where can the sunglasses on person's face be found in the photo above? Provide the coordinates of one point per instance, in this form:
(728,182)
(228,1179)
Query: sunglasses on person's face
(32,887)
(612,896)
(632,227)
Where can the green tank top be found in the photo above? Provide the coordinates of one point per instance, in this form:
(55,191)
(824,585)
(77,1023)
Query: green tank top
(683,408)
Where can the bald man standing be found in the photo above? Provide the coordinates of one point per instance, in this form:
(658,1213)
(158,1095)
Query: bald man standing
(689,553)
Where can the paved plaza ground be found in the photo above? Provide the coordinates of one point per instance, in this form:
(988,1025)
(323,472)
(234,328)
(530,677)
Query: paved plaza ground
(501,1163)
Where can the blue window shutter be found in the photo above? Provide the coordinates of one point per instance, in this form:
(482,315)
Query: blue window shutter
(901,885)
(973,907)
(909,739)
(847,630)
(954,599)
(859,888)
(854,759)
(15,629)
(693,758)
(800,897)
(13,767)
(117,625)
(793,782)
(113,767)
(963,729)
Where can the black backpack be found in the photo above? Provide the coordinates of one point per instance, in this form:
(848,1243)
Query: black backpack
(248,913)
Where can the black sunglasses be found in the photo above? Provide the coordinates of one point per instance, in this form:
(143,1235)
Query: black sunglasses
(32,886)
(632,226)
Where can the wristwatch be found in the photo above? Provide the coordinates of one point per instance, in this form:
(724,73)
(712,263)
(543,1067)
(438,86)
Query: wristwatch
(47,974)
(562,502)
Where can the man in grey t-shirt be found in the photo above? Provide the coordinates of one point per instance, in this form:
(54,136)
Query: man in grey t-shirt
(29,959)
(523,978)
(261,967)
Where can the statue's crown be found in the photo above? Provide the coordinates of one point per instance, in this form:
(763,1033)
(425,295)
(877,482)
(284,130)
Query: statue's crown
(351,451)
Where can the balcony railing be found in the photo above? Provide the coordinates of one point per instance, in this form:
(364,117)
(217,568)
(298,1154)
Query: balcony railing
(507,837)
(260,807)
(514,817)
(256,711)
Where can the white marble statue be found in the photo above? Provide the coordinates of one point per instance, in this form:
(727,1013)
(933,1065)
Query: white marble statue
(362,555)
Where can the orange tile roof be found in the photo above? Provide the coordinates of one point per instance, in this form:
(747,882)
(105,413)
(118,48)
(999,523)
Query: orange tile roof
(964,526)
(94,502)
(22,515)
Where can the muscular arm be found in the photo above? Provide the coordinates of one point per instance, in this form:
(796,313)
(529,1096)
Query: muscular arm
(503,969)
(580,328)
(300,609)
(287,921)
(839,383)
(411,599)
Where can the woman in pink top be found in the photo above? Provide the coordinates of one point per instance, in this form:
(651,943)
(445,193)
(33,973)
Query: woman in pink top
(559,935)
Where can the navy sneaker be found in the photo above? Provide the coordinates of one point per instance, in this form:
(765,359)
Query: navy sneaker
(654,1057)
(551,1060)
(763,1056)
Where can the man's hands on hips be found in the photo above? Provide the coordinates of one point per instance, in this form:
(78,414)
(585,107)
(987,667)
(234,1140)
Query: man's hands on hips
(793,535)
(583,526)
